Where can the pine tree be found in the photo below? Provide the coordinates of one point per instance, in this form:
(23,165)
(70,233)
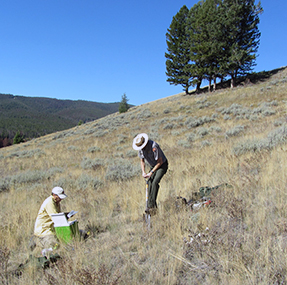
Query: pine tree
(214,46)
(204,30)
(18,138)
(194,31)
(178,67)
(241,36)
(123,106)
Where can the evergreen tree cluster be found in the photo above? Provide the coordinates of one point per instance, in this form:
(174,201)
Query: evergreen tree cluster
(214,39)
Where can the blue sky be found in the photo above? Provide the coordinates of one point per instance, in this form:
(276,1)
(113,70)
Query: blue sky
(98,50)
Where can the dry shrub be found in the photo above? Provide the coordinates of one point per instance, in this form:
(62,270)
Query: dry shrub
(4,259)
(224,202)
(210,247)
(64,272)
(237,245)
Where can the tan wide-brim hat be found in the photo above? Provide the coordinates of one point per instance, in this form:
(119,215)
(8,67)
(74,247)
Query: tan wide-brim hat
(140,141)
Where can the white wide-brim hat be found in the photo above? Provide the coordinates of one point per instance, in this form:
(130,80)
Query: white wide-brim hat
(140,141)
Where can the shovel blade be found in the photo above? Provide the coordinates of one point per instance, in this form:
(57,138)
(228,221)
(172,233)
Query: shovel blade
(146,219)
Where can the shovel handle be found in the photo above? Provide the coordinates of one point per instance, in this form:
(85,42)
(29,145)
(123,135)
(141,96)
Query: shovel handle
(146,190)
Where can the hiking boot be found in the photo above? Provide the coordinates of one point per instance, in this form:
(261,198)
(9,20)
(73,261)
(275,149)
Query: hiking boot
(153,211)
(147,211)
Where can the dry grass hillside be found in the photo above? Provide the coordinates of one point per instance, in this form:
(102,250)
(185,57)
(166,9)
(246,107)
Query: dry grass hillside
(234,136)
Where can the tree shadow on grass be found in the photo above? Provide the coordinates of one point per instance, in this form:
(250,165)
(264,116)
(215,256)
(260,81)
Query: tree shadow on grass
(251,78)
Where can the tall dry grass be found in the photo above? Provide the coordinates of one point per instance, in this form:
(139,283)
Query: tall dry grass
(230,136)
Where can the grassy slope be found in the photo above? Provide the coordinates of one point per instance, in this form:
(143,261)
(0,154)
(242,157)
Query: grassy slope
(230,136)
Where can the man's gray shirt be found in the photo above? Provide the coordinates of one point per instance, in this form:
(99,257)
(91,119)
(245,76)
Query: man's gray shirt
(151,153)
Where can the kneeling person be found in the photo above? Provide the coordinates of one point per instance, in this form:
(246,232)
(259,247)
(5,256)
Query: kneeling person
(44,231)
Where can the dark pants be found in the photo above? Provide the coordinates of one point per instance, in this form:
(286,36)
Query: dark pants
(153,185)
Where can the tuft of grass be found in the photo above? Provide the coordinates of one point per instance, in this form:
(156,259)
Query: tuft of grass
(235,131)
(121,170)
(275,138)
(88,163)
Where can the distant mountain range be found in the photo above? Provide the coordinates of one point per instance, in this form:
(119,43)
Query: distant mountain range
(35,116)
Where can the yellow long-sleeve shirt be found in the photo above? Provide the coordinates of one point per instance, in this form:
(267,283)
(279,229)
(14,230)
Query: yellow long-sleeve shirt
(44,224)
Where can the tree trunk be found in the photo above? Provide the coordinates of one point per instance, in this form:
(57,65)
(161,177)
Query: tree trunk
(233,79)
(214,88)
(232,82)
(198,85)
(209,85)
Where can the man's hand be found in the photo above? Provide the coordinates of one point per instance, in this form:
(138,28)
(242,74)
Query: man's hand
(147,175)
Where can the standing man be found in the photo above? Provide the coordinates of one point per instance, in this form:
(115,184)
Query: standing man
(150,151)
(44,231)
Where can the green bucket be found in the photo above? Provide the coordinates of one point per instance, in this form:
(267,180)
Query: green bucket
(68,233)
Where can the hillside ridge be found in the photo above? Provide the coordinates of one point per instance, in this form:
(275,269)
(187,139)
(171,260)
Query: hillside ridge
(36,116)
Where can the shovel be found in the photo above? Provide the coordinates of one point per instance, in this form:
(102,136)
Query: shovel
(147,214)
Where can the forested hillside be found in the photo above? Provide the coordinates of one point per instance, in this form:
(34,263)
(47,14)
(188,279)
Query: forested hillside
(34,116)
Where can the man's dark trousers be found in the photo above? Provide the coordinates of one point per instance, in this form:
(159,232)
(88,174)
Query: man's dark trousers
(153,184)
